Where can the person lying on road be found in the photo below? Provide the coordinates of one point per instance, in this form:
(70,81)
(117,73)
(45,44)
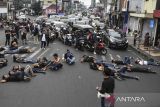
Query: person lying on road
(86,58)
(118,74)
(3,63)
(14,44)
(18,73)
(143,62)
(19,51)
(127,60)
(18,59)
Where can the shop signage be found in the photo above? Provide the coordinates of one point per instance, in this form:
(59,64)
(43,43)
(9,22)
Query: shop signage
(156,14)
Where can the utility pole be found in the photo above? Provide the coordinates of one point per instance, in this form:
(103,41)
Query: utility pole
(56,6)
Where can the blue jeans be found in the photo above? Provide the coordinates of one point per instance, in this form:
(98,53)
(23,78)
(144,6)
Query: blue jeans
(127,60)
(11,51)
(70,61)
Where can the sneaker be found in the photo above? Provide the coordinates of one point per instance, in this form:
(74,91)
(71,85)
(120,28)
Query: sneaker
(94,53)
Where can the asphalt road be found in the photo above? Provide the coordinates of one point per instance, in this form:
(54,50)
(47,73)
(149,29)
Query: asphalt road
(74,86)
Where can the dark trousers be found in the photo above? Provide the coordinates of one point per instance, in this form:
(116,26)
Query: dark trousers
(43,44)
(7,41)
(47,40)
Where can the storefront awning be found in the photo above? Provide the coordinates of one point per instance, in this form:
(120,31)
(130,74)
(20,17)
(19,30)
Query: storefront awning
(3,10)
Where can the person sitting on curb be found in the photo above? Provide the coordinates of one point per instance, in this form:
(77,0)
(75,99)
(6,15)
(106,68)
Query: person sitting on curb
(86,58)
(19,51)
(18,59)
(55,64)
(143,62)
(69,58)
(18,73)
(3,63)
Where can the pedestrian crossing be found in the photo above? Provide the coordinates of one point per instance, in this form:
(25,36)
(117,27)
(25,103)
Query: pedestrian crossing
(48,52)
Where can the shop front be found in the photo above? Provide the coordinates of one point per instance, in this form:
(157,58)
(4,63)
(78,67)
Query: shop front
(157,37)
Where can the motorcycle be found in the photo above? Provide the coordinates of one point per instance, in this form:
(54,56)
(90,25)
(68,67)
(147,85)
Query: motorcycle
(68,40)
(99,49)
(80,44)
(52,37)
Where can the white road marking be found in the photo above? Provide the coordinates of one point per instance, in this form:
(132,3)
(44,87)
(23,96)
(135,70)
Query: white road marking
(118,56)
(111,56)
(27,54)
(103,58)
(79,77)
(43,53)
(35,53)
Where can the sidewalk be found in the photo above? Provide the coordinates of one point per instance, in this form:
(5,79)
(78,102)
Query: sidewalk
(148,53)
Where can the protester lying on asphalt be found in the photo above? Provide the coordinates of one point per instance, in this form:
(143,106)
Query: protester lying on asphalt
(3,63)
(18,59)
(18,73)
(2,49)
(127,60)
(19,51)
(40,66)
(69,58)
(55,64)
(118,74)
(97,65)
(141,69)
(14,44)
(86,58)
(143,62)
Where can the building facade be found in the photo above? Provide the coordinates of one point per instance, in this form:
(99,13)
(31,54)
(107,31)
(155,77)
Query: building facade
(3,8)
(141,17)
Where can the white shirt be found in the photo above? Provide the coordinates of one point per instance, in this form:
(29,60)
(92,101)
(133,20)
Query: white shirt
(143,62)
(44,37)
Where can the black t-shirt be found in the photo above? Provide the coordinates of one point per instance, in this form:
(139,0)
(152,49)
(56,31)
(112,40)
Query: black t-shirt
(139,69)
(7,32)
(23,50)
(88,59)
(108,85)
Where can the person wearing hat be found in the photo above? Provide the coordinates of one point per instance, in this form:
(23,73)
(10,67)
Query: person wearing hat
(69,58)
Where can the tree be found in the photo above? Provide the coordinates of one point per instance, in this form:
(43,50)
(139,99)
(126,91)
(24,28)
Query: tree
(36,7)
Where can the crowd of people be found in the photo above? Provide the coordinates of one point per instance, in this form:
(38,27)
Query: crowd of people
(41,33)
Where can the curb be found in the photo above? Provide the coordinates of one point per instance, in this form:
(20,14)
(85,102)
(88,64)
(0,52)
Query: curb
(145,55)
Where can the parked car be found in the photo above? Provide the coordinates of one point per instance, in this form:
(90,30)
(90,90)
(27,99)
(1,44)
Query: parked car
(116,40)
(83,28)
